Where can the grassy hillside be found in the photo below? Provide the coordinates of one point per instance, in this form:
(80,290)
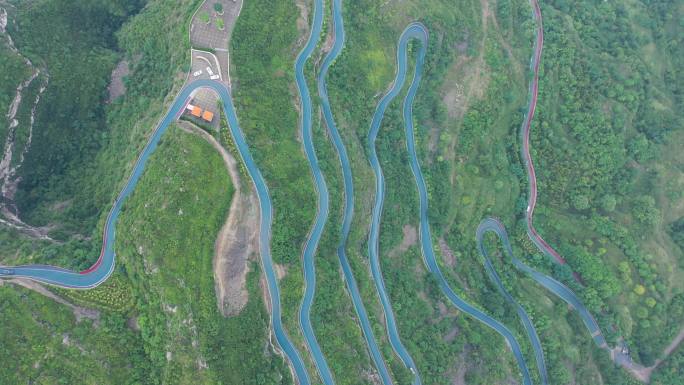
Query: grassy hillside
(166,250)
(43,343)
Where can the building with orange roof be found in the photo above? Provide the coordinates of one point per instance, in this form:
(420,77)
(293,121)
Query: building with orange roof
(208,115)
(196,111)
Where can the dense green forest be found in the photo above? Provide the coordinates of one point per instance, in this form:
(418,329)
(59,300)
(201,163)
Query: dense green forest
(76,43)
(606,143)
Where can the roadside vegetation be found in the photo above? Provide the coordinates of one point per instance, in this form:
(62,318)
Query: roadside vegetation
(114,295)
(44,343)
(436,335)
(671,370)
(610,173)
(263,50)
(473,170)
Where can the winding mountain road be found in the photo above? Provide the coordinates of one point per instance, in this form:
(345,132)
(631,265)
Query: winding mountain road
(419,32)
(314,237)
(486,225)
(104,266)
(525,132)
(339,35)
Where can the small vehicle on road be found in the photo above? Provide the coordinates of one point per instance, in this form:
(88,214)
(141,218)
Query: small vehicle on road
(197,73)
(209,71)
(6,271)
(214,77)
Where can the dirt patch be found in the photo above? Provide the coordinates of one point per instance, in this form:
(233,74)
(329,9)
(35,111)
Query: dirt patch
(116,85)
(449,257)
(329,40)
(280,270)
(263,285)
(303,19)
(237,240)
(474,78)
(372,377)
(472,86)
(133,323)
(450,260)
(457,377)
(451,335)
(409,239)
(454,98)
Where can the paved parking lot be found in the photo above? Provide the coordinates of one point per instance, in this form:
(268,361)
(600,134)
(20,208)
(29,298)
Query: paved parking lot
(208,36)
(200,61)
(205,34)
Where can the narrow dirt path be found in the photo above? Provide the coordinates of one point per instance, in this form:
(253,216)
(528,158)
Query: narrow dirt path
(79,312)
(643,373)
(507,46)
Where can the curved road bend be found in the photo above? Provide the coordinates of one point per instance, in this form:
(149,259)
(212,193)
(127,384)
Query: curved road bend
(485,226)
(557,288)
(105,264)
(314,237)
(348,195)
(418,31)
